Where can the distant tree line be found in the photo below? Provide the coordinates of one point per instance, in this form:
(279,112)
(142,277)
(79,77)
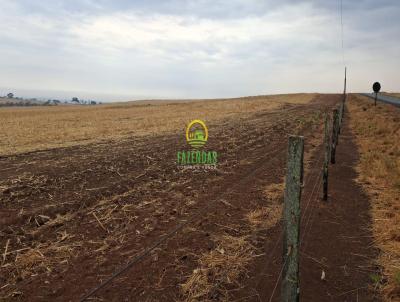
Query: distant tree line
(34,102)
(75,100)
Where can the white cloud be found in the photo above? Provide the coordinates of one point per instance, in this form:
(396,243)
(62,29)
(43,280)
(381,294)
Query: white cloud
(133,52)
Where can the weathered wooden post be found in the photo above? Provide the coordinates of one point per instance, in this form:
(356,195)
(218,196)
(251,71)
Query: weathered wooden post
(341,109)
(338,126)
(340,121)
(341,115)
(291,236)
(334,134)
(326,158)
(344,100)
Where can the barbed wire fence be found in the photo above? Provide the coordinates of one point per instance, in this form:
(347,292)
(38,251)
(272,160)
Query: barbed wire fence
(289,236)
(292,240)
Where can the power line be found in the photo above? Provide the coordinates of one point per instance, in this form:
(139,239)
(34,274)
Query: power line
(341,26)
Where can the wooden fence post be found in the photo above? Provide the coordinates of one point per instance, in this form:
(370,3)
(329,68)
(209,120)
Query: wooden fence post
(340,121)
(344,101)
(342,112)
(327,142)
(335,123)
(338,128)
(291,237)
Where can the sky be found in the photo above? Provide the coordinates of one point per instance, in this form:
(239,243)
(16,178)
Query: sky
(127,49)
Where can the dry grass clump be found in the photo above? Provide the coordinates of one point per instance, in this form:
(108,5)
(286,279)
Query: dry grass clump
(219,268)
(274,192)
(378,136)
(38,128)
(268,216)
(38,257)
(41,258)
(27,261)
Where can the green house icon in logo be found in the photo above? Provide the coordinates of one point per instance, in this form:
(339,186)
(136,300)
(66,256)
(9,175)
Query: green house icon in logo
(197,134)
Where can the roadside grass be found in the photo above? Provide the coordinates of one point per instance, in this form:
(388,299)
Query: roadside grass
(38,128)
(377,130)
